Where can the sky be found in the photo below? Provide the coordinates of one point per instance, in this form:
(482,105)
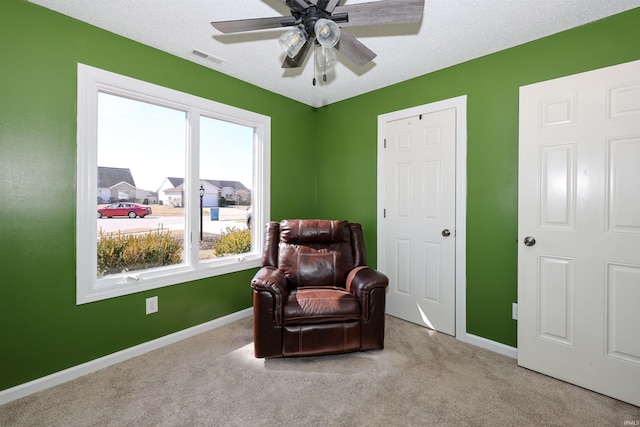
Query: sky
(150,140)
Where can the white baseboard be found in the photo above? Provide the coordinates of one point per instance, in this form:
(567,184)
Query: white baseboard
(491,345)
(74,372)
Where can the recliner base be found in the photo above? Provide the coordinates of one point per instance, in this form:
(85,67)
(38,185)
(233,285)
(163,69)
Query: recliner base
(317,339)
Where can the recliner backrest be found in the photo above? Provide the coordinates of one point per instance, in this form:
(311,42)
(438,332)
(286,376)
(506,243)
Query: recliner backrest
(315,252)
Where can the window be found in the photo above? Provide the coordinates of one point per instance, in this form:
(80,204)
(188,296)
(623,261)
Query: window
(163,178)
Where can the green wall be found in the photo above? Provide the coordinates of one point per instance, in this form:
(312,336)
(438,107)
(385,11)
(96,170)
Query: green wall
(491,84)
(42,329)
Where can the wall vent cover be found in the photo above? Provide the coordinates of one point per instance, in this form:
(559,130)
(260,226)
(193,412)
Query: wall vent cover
(208,56)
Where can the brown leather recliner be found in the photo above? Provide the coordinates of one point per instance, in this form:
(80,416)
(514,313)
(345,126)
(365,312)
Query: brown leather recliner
(314,293)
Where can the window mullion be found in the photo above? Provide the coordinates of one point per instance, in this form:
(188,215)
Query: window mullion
(192,184)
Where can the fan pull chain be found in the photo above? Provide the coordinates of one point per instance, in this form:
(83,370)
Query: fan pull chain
(315,58)
(324,69)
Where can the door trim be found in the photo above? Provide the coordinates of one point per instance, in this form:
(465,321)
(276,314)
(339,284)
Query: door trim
(460,105)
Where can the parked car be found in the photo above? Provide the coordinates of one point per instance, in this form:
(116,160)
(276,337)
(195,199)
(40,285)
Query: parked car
(249,216)
(131,210)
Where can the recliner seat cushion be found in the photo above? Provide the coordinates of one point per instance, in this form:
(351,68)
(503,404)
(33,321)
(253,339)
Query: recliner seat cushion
(311,305)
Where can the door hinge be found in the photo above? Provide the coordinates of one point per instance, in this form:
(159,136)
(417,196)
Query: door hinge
(385,143)
(384,213)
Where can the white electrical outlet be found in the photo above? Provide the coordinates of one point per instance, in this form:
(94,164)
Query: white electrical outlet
(514,311)
(152,305)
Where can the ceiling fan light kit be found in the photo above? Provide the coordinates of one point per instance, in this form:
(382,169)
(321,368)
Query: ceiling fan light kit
(292,41)
(322,23)
(327,32)
(325,57)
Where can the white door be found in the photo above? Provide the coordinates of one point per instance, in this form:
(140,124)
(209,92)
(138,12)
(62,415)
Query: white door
(579,198)
(419,221)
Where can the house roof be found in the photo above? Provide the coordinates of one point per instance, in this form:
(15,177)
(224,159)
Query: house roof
(108,177)
(176,182)
(123,183)
(236,185)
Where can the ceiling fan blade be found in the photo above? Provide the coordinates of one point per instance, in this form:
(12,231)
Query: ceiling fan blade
(297,60)
(303,4)
(240,25)
(382,12)
(350,47)
(331,5)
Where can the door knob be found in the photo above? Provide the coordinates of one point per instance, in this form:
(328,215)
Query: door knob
(446,232)
(529,241)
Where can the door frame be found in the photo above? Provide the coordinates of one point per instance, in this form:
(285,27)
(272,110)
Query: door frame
(460,105)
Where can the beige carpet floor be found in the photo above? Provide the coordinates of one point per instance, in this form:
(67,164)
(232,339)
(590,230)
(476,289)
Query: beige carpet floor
(421,378)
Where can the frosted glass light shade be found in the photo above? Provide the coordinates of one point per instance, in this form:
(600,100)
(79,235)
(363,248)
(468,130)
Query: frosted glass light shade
(292,41)
(327,32)
(325,57)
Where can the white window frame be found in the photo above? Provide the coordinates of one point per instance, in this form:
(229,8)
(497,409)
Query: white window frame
(89,288)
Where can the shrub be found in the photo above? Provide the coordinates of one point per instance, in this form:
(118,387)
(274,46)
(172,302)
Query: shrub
(117,252)
(233,241)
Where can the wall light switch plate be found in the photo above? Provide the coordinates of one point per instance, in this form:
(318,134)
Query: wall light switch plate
(152,305)
(514,311)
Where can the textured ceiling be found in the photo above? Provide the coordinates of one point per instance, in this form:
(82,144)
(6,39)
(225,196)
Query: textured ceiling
(451,32)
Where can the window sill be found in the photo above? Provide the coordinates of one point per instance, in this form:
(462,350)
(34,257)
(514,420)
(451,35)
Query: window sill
(181,275)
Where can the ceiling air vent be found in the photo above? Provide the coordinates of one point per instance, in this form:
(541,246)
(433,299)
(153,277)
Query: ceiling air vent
(212,58)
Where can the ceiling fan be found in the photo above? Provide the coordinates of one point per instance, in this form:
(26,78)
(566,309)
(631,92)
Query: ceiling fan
(322,23)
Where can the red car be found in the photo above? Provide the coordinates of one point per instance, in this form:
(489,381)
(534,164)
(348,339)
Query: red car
(131,210)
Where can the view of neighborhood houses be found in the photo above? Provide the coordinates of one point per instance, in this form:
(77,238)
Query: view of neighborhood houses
(118,185)
(142,158)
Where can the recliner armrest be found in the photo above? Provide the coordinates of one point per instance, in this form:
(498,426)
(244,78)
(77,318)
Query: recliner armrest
(270,279)
(362,279)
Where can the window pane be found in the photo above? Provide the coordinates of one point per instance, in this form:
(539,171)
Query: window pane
(136,144)
(226,180)
(141,170)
